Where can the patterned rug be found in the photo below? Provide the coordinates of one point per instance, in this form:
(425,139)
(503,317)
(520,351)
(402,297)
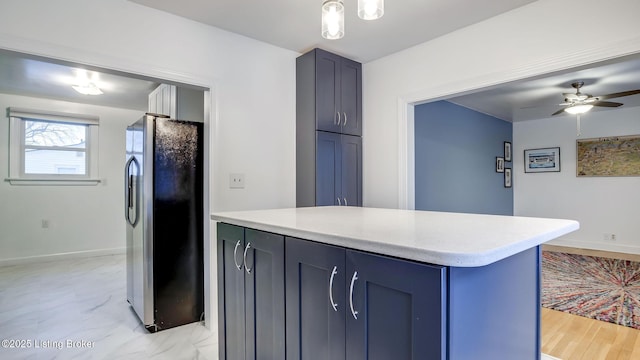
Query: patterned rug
(594,287)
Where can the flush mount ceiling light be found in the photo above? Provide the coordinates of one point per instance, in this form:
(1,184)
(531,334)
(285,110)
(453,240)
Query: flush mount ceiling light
(578,109)
(84,85)
(88,89)
(333,15)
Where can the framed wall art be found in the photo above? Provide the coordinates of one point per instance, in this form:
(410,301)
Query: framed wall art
(542,160)
(507,177)
(608,156)
(507,151)
(499,164)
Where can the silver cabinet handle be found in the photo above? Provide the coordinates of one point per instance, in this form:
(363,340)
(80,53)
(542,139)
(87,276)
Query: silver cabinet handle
(333,273)
(339,203)
(353,281)
(345,119)
(345,202)
(338,122)
(235,250)
(244,257)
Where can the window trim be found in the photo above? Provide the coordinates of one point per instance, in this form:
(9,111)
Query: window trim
(17,116)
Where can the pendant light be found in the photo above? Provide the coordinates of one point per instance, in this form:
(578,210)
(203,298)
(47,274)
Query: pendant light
(332,19)
(370,9)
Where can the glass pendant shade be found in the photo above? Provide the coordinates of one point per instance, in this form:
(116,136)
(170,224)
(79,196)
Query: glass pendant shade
(578,109)
(370,9)
(332,19)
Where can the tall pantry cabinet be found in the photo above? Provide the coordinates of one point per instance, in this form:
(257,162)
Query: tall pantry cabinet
(328,130)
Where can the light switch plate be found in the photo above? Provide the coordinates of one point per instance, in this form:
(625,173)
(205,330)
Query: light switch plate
(236,181)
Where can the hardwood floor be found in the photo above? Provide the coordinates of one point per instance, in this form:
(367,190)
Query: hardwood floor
(572,337)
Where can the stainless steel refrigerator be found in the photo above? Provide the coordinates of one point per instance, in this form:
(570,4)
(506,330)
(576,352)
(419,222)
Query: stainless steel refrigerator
(164,214)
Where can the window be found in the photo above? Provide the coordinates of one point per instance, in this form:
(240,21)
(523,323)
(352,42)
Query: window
(53,148)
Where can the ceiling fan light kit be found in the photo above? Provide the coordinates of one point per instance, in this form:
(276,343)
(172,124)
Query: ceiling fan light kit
(333,15)
(580,103)
(578,109)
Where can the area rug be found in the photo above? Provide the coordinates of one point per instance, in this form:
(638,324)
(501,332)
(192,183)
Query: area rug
(594,287)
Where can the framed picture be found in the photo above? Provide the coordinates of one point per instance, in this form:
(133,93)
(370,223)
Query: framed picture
(507,177)
(542,160)
(499,164)
(507,151)
(608,156)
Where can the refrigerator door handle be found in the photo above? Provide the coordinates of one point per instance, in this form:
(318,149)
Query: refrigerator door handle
(127,189)
(131,196)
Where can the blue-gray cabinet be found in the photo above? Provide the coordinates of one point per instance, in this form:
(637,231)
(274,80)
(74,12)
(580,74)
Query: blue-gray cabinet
(333,85)
(347,304)
(316,300)
(251,302)
(328,130)
(338,170)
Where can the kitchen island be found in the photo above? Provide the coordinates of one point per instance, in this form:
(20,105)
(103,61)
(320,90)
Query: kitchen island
(363,283)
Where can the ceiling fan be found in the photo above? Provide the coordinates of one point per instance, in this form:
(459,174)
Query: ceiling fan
(579,103)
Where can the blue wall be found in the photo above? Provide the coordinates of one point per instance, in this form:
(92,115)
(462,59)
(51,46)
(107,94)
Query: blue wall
(455,157)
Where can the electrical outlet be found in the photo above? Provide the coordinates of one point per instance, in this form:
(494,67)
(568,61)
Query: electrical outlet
(236,181)
(609,237)
(45,224)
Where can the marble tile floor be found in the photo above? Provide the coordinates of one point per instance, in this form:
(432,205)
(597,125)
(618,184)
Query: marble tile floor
(77,309)
(44,306)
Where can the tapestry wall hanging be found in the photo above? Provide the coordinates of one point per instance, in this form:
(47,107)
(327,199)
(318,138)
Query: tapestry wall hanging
(608,156)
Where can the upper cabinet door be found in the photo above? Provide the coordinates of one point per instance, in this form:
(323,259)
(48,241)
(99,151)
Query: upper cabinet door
(327,79)
(351,97)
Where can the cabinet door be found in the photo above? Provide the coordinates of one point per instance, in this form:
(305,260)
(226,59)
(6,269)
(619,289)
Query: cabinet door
(264,275)
(328,168)
(397,309)
(231,292)
(351,175)
(327,91)
(351,97)
(316,301)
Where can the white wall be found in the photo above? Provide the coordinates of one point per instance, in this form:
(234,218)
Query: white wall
(81,218)
(527,41)
(601,204)
(254,109)
(252,113)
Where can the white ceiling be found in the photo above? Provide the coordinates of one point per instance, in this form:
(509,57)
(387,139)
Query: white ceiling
(539,98)
(413,21)
(38,77)
(295,24)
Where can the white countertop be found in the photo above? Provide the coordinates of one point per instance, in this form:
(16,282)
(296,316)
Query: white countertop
(451,239)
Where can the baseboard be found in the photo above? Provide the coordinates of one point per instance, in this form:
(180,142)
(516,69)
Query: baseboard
(61,256)
(618,248)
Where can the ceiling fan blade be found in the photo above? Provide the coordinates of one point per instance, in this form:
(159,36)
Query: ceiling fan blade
(619,94)
(558,112)
(606,104)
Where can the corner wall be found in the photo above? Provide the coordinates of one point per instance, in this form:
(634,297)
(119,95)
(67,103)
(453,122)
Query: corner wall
(603,205)
(455,157)
(82,219)
(515,45)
